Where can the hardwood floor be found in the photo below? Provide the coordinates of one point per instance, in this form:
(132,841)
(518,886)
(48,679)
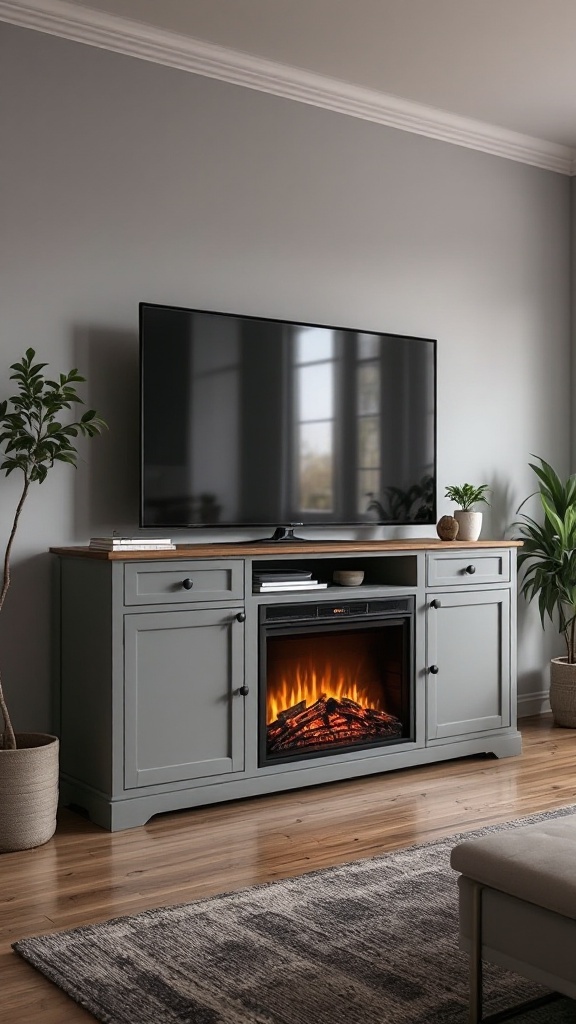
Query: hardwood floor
(85,874)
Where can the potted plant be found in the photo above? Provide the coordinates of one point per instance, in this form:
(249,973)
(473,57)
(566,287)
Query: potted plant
(468,519)
(548,559)
(33,440)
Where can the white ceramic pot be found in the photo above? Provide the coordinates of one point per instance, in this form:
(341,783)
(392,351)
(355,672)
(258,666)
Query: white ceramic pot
(469,524)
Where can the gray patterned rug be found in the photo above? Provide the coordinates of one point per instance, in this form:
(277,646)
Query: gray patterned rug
(372,942)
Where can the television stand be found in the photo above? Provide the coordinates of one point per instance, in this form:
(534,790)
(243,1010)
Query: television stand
(281,535)
(165,658)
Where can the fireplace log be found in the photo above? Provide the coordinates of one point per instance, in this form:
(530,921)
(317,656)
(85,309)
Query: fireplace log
(283,716)
(329,722)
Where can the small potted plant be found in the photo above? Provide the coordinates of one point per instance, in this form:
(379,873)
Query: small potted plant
(33,440)
(469,520)
(548,560)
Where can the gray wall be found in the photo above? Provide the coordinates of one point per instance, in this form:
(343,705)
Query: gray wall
(573,325)
(123,180)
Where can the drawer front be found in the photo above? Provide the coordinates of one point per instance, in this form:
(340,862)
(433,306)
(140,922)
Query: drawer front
(457,568)
(183,582)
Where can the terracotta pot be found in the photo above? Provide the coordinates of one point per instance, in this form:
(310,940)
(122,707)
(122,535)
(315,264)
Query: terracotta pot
(469,524)
(28,792)
(563,692)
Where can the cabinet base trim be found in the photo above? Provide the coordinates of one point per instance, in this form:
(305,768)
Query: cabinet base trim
(132,811)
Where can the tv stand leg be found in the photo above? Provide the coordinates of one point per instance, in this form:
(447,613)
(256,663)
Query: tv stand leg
(285,534)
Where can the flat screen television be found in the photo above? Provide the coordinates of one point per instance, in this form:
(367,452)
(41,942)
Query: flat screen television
(254,422)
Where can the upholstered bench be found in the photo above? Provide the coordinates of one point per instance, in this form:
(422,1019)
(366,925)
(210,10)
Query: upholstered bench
(517,892)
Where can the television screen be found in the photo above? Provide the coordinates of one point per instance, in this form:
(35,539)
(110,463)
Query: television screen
(247,421)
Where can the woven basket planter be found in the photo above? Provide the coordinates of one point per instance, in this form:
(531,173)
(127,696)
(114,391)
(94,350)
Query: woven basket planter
(563,692)
(28,792)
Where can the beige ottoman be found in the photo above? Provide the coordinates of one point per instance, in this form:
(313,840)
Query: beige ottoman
(517,892)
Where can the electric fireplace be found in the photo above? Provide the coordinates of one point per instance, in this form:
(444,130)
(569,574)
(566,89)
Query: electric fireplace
(334,678)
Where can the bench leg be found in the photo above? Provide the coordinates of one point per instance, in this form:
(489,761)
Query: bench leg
(475,1016)
(476,956)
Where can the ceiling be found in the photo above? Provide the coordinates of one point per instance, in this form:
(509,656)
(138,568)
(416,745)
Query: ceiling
(508,63)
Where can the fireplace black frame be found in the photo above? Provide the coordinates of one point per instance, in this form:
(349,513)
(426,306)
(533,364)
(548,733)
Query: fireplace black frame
(322,617)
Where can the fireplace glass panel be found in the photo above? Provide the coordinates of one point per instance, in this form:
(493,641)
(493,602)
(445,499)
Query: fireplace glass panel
(336,689)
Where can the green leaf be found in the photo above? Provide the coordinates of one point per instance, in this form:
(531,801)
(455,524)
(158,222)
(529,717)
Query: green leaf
(548,557)
(466,495)
(33,436)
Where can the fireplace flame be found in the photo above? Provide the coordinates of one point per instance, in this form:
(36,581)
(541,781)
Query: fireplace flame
(307,683)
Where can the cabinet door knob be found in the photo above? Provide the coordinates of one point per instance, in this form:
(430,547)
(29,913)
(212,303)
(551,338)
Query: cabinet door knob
(244,691)
(433,669)
(241,617)
(470,569)
(435,603)
(187,583)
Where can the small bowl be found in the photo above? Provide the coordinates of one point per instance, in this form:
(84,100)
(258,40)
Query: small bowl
(348,577)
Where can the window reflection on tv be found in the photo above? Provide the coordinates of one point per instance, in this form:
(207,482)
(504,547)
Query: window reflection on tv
(247,421)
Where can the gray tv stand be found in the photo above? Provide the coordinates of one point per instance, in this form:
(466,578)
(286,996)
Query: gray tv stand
(158,670)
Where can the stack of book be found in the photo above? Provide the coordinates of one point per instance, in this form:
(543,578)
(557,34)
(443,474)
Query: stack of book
(284,579)
(131,544)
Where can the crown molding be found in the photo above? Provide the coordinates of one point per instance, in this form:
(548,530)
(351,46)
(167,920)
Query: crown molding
(136,39)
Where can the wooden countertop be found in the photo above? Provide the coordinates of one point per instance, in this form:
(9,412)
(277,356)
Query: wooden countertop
(280,549)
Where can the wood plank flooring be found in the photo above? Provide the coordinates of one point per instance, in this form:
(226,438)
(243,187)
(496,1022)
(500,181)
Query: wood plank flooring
(85,874)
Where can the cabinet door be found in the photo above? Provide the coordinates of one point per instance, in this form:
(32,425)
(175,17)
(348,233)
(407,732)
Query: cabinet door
(184,717)
(468,662)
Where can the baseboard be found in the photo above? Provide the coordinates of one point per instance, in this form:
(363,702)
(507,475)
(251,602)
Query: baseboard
(533,704)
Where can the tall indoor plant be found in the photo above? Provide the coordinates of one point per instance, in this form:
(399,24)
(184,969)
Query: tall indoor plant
(33,439)
(548,560)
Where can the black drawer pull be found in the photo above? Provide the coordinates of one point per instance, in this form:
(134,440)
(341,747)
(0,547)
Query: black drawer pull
(433,669)
(244,691)
(470,569)
(241,617)
(187,583)
(435,603)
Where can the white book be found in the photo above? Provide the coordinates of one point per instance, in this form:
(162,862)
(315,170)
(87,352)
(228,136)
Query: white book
(287,583)
(289,587)
(132,547)
(282,577)
(113,542)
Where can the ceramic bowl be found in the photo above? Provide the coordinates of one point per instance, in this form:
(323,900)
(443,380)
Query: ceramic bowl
(348,577)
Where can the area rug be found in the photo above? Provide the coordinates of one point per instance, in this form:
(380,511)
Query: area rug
(371,942)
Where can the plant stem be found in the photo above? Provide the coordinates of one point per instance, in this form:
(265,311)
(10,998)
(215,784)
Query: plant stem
(9,739)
